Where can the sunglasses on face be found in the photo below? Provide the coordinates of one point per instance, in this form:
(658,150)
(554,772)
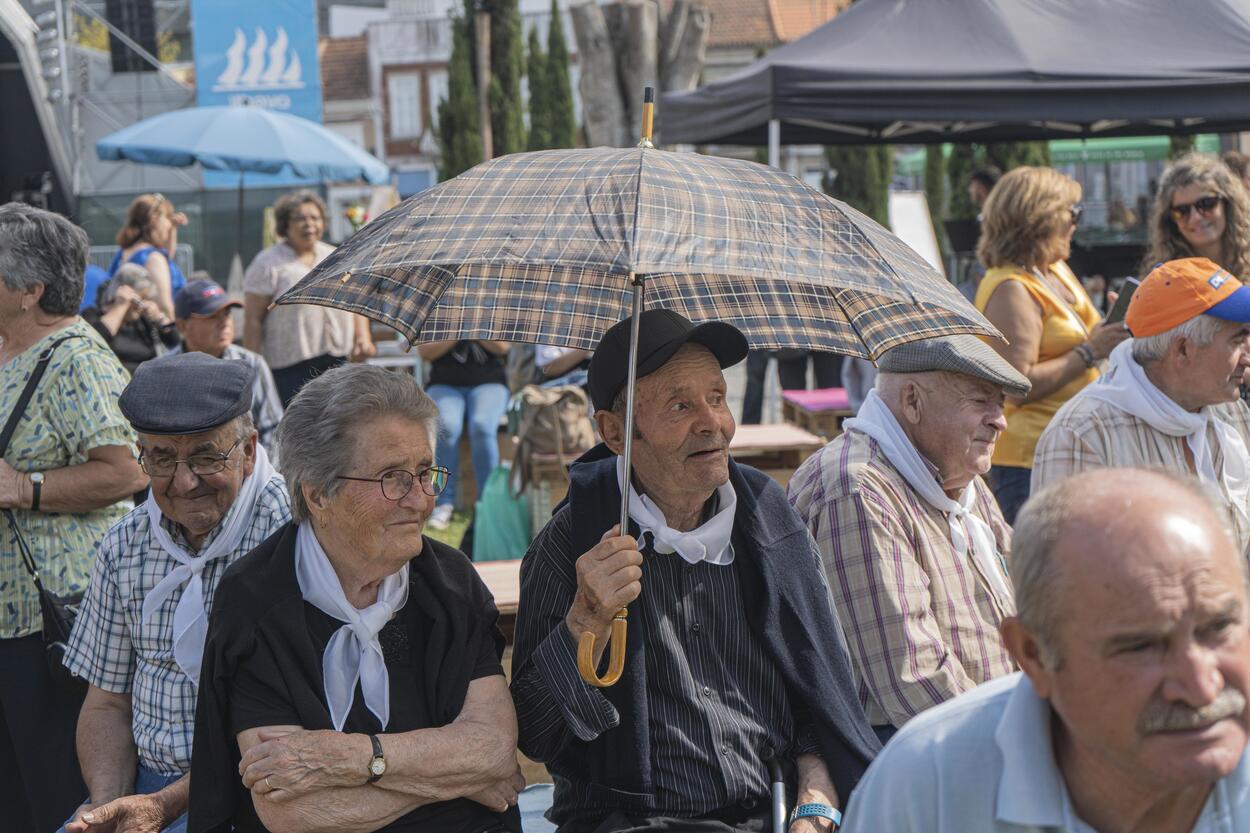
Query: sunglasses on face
(1203,205)
(1075,212)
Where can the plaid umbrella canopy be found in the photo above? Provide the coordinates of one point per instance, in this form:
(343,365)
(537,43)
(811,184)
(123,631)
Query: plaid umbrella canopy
(555,247)
(541,247)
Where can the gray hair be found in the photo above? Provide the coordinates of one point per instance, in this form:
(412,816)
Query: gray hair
(39,247)
(132,275)
(317,438)
(1201,330)
(1035,578)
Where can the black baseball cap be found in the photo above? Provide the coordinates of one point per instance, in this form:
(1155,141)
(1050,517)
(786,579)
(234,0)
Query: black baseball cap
(200,299)
(661,333)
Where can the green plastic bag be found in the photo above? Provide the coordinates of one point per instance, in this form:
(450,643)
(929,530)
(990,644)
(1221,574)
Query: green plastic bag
(501,522)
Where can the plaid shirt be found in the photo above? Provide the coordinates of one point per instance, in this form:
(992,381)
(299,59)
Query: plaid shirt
(921,622)
(113,650)
(1088,433)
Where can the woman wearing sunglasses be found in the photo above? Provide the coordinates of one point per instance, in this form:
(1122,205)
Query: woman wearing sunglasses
(1054,334)
(351,676)
(1201,210)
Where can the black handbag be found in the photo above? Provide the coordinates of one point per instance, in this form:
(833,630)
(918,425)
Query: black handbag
(58,612)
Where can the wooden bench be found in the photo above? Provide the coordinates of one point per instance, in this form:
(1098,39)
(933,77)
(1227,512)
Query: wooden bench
(819,411)
(503,579)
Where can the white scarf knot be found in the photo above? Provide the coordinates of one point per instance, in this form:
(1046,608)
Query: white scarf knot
(354,653)
(1126,386)
(709,542)
(877,421)
(191,614)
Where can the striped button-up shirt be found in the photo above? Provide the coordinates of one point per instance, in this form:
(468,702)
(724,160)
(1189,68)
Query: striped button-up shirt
(921,621)
(1090,433)
(717,705)
(111,647)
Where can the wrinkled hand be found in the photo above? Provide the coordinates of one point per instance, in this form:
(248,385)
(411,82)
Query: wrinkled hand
(285,765)
(128,814)
(12,487)
(609,577)
(502,795)
(811,825)
(1106,337)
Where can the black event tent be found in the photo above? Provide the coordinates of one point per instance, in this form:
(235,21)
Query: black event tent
(983,70)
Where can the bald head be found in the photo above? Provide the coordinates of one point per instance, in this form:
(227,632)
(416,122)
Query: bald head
(1111,526)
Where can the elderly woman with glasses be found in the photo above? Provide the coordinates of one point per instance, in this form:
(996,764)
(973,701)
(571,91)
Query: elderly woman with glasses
(352,679)
(1201,210)
(1054,335)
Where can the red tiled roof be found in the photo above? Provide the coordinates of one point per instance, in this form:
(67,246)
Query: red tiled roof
(766,23)
(344,68)
(793,19)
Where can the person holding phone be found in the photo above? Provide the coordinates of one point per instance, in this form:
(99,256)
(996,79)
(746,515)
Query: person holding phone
(1054,335)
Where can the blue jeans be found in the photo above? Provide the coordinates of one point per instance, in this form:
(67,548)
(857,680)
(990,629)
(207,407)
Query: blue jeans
(1010,485)
(146,783)
(483,405)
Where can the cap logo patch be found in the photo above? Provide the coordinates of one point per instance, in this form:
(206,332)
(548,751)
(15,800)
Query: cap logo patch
(1218,279)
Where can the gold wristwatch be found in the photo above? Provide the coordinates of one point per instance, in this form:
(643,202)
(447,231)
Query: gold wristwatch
(377,764)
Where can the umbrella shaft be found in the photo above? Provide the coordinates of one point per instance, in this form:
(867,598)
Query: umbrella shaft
(632,378)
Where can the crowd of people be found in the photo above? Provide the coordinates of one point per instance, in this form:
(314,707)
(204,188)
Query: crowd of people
(1010,595)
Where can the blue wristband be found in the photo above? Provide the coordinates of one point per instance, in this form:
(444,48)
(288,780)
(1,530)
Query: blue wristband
(819,811)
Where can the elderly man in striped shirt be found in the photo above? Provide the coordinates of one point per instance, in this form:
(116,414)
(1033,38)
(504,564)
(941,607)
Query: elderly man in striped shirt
(1172,396)
(140,635)
(912,540)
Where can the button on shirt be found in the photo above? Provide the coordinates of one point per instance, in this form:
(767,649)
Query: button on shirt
(718,706)
(984,763)
(114,650)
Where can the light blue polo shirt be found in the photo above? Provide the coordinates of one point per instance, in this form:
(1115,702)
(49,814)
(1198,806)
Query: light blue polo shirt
(984,763)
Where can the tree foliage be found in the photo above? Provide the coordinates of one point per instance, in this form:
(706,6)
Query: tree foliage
(860,176)
(935,190)
(540,101)
(507,65)
(563,124)
(459,130)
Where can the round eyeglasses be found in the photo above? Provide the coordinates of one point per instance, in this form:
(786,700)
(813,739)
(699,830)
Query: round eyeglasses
(397,483)
(202,464)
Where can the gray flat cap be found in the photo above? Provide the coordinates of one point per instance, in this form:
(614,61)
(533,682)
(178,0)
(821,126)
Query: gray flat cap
(964,354)
(187,393)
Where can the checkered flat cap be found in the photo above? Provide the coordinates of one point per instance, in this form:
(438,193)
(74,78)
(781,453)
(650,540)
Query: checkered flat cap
(964,354)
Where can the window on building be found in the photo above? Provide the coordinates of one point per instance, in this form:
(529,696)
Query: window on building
(403,95)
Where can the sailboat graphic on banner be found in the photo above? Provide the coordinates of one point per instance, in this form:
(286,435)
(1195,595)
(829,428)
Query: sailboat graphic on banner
(260,65)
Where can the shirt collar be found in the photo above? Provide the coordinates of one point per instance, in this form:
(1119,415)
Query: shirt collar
(1030,788)
(179,536)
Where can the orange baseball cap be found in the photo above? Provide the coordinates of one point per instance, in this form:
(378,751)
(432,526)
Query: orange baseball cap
(1176,291)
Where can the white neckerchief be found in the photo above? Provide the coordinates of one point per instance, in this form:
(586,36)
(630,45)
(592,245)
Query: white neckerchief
(709,542)
(353,654)
(877,421)
(191,614)
(1127,387)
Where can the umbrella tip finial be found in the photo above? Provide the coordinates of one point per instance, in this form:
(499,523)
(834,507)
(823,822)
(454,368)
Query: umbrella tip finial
(345,277)
(648,116)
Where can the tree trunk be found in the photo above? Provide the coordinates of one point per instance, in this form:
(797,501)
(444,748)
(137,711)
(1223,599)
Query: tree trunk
(638,62)
(602,108)
(685,46)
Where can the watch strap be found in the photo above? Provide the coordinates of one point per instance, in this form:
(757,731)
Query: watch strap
(36,491)
(816,810)
(377,753)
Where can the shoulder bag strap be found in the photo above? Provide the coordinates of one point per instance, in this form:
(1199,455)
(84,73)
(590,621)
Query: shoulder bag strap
(10,427)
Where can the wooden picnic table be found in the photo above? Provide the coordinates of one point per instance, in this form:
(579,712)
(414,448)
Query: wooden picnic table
(503,579)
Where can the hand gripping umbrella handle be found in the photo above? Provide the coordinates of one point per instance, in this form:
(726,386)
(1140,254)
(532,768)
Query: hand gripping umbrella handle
(616,656)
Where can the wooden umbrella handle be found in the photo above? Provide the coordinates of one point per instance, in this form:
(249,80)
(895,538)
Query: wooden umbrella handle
(616,656)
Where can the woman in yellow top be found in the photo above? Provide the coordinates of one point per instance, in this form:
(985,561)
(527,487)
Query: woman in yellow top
(1054,334)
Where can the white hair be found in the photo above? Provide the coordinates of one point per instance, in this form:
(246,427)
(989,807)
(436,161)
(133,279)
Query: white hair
(1201,330)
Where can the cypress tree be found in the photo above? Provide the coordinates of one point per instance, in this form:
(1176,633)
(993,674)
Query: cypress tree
(563,121)
(959,168)
(459,139)
(507,64)
(539,104)
(862,180)
(1008,155)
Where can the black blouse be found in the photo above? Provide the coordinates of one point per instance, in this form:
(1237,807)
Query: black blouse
(269,674)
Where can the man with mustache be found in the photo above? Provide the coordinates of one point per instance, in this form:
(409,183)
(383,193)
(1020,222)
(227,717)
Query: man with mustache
(911,537)
(1130,715)
(735,656)
(1172,396)
(140,635)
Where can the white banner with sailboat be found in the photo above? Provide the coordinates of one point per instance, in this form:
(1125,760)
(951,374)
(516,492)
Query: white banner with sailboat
(260,65)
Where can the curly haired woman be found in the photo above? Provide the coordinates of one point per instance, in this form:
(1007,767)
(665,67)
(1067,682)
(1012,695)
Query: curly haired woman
(1201,209)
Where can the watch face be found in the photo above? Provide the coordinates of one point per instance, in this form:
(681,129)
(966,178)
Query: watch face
(377,766)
